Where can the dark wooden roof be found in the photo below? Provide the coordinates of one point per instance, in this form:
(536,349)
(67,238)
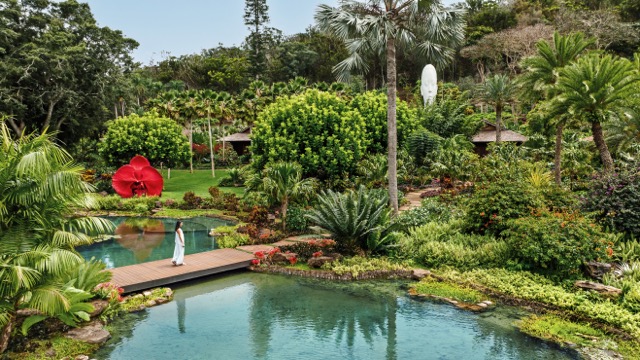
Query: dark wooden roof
(488,134)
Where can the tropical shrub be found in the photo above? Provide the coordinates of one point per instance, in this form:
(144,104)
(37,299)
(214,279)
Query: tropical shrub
(422,144)
(615,199)
(431,210)
(157,138)
(316,129)
(353,218)
(556,243)
(372,106)
(372,171)
(296,221)
(454,159)
(232,240)
(191,201)
(450,117)
(442,244)
(495,203)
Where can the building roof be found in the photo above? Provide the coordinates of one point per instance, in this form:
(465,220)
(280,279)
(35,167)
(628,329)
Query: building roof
(506,135)
(488,134)
(244,135)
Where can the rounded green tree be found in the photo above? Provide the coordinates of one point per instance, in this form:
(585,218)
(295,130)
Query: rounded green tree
(316,129)
(372,105)
(157,138)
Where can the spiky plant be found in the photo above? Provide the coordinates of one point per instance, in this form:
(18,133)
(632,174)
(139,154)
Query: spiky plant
(353,217)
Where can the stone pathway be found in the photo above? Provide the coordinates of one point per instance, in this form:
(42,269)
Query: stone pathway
(414,200)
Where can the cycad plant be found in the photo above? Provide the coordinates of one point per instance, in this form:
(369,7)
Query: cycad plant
(498,91)
(39,187)
(352,218)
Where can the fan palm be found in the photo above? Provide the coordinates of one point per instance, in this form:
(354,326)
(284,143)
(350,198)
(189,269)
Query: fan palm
(595,89)
(541,75)
(380,26)
(282,182)
(39,186)
(498,91)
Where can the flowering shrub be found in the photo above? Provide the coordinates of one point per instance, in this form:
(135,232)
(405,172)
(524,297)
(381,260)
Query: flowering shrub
(317,254)
(200,151)
(305,250)
(267,257)
(108,291)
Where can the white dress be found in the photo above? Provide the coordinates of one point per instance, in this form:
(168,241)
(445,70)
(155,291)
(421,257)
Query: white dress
(178,252)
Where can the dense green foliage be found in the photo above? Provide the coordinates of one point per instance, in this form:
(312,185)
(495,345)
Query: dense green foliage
(60,70)
(316,129)
(615,198)
(491,206)
(373,108)
(39,187)
(159,139)
(449,117)
(443,244)
(556,243)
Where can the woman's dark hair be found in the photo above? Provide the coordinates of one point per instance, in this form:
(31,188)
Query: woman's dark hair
(178,223)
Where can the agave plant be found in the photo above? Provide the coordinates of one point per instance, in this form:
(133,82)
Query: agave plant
(353,218)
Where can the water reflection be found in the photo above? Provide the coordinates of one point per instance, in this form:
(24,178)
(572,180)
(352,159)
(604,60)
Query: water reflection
(257,316)
(141,237)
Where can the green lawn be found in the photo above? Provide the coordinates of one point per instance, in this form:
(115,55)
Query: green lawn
(199,182)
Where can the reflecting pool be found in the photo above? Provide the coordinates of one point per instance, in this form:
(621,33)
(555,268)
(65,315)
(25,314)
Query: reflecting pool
(259,316)
(137,240)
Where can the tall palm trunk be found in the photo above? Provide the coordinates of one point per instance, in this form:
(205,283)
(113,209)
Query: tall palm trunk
(191,146)
(557,159)
(598,138)
(391,124)
(498,123)
(213,165)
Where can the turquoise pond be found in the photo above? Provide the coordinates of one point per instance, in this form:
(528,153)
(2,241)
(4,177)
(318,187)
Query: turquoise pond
(246,315)
(137,240)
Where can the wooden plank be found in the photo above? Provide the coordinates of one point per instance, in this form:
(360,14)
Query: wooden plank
(162,272)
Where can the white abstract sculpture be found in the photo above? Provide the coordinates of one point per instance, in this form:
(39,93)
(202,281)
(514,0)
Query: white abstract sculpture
(429,84)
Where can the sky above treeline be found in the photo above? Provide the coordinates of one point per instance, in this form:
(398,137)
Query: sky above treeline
(170,27)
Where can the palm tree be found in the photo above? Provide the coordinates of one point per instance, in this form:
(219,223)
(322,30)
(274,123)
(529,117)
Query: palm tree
(39,187)
(595,89)
(207,104)
(498,91)
(283,184)
(540,78)
(381,26)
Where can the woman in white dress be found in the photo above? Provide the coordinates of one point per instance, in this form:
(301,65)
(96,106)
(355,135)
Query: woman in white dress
(178,252)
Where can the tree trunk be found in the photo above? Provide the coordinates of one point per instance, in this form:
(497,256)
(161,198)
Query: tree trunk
(18,128)
(191,146)
(213,165)
(498,124)
(598,138)
(47,121)
(5,335)
(391,125)
(557,160)
(115,109)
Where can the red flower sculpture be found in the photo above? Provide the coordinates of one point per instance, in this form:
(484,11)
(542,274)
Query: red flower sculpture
(137,178)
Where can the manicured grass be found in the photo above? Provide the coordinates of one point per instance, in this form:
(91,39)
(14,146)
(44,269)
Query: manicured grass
(199,182)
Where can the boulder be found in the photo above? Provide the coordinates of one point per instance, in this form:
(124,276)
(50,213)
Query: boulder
(317,262)
(597,269)
(98,307)
(283,257)
(600,288)
(92,333)
(419,274)
(82,357)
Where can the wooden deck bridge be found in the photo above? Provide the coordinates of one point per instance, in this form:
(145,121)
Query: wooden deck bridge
(161,272)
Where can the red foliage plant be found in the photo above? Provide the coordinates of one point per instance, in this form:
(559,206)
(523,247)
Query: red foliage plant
(137,178)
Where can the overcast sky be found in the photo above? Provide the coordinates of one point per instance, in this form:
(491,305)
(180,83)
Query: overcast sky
(182,27)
